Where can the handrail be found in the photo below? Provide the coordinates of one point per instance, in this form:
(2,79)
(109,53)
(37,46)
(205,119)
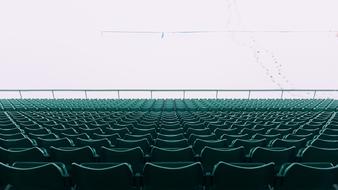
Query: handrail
(168,90)
(183,91)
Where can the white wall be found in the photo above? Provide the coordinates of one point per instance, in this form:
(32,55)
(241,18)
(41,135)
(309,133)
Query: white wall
(59,44)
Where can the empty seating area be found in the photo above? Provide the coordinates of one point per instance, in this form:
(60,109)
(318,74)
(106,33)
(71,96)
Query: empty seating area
(166,104)
(168,144)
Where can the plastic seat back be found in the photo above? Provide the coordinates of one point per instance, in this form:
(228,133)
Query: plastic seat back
(189,177)
(234,177)
(105,177)
(172,155)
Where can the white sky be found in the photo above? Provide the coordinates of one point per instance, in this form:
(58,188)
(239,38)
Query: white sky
(58,44)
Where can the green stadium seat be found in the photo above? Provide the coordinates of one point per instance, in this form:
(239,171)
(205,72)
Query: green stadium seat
(298,176)
(22,154)
(171,143)
(288,143)
(60,142)
(111,137)
(189,177)
(276,155)
(103,176)
(142,143)
(211,156)
(171,137)
(317,154)
(68,155)
(12,136)
(324,143)
(147,136)
(172,154)
(177,131)
(17,143)
(45,176)
(199,144)
(10,131)
(248,144)
(231,176)
(193,137)
(96,144)
(132,156)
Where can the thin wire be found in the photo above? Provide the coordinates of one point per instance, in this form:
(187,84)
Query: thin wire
(217,31)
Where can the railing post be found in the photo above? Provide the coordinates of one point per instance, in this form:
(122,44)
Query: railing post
(53,94)
(216,94)
(314,94)
(183,94)
(118,94)
(249,95)
(86,94)
(151,94)
(20,94)
(282,94)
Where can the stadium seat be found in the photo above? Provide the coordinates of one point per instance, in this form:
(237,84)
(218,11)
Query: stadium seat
(68,155)
(172,155)
(43,136)
(242,177)
(142,143)
(267,137)
(328,137)
(67,131)
(298,176)
(96,144)
(177,131)
(231,138)
(5,171)
(276,155)
(38,131)
(203,131)
(171,143)
(147,136)
(136,131)
(103,176)
(111,137)
(10,131)
(22,154)
(45,176)
(120,131)
(324,143)
(60,142)
(211,156)
(220,132)
(171,137)
(286,143)
(12,136)
(193,137)
(298,137)
(90,131)
(200,144)
(317,154)
(248,144)
(189,177)
(132,156)
(329,131)
(17,143)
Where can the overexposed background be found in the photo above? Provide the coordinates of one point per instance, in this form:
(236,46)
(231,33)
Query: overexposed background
(60,44)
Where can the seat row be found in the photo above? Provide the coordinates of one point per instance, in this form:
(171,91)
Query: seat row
(173,141)
(190,135)
(136,157)
(169,119)
(167,104)
(167,176)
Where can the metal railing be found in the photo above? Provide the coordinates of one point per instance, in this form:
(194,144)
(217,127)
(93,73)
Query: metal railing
(216,92)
